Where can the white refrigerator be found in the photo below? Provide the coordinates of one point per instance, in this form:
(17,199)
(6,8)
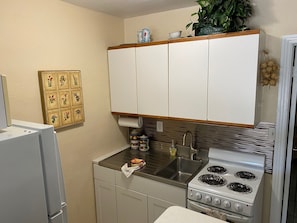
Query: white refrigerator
(31,180)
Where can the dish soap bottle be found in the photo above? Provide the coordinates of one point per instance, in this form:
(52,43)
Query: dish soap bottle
(172,149)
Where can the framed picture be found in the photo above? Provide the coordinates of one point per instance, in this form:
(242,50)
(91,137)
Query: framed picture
(62,97)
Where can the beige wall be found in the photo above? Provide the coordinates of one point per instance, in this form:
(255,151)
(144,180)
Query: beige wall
(50,34)
(275,18)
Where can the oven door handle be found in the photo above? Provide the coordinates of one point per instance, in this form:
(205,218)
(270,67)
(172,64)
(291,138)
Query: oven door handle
(205,209)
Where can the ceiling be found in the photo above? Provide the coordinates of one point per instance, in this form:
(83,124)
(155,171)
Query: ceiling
(132,8)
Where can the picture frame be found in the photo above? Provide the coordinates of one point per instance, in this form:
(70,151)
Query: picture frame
(61,97)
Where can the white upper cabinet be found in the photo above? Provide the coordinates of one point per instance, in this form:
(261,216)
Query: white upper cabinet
(211,79)
(152,80)
(232,83)
(122,79)
(188,74)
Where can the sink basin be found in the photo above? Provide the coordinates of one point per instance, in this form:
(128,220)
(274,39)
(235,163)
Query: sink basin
(180,169)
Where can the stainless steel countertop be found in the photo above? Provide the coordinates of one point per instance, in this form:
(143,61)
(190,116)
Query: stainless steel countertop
(155,161)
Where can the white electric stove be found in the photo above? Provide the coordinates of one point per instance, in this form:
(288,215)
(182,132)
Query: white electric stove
(229,187)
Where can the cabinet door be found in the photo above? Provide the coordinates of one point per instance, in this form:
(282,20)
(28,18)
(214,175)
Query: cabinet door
(105,202)
(152,79)
(122,80)
(233,79)
(156,207)
(188,73)
(131,206)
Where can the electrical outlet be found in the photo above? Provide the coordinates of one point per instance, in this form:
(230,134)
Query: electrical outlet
(159,126)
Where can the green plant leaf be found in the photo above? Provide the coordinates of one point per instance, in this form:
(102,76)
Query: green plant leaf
(231,15)
(188,25)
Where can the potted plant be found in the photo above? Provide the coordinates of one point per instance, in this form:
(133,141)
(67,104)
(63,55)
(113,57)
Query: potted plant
(215,16)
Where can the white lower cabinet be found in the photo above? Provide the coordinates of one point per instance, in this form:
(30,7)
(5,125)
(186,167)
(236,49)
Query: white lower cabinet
(134,199)
(156,207)
(131,206)
(106,202)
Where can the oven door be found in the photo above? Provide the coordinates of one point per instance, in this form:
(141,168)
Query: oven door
(218,213)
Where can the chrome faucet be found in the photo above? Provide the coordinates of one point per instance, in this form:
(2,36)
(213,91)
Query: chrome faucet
(192,152)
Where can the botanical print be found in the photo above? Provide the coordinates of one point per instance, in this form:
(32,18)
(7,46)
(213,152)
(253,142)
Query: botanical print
(52,100)
(63,80)
(78,114)
(62,101)
(49,80)
(76,97)
(75,79)
(66,116)
(54,118)
(64,98)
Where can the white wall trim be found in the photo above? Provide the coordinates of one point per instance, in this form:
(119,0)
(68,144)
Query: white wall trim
(281,130)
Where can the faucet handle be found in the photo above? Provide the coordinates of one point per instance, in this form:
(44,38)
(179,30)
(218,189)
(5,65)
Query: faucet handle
(184,138)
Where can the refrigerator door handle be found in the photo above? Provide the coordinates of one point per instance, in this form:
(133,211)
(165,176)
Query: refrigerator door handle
(57,218)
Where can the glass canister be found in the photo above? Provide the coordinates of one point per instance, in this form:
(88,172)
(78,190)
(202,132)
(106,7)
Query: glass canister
(134,139)
(144,143)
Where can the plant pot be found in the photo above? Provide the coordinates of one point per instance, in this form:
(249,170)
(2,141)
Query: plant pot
(208,30)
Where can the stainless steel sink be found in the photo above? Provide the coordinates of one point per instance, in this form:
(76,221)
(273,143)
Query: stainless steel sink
(180,169)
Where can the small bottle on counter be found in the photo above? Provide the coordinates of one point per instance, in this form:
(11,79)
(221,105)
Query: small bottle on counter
(172,149)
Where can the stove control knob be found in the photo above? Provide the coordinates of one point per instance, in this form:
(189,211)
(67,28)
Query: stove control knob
(198,196)
(207,199)
(217,201)
(190,193)
(238,207)
(227,204)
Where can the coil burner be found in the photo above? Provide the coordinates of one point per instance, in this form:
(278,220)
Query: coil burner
(212,179)
(217,169)
(239,187)
(245,175)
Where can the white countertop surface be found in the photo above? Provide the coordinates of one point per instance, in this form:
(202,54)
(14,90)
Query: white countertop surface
(176,214)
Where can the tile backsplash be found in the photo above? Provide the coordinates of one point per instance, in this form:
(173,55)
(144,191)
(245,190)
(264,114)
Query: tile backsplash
(257,140)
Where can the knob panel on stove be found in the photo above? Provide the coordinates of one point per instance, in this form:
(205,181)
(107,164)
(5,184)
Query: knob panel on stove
(220,201)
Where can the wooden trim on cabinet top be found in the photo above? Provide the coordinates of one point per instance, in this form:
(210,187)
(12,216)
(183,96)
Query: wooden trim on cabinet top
(125,114)
(186,39)
(216,36)
(205,122)
(129,45)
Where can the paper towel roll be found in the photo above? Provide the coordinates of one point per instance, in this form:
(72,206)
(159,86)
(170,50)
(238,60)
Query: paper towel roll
(130,122)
